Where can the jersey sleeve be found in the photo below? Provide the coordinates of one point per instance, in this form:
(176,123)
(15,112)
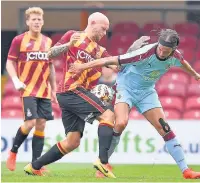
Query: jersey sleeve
(65,38)
(14,50)
(178,59)
(136,56)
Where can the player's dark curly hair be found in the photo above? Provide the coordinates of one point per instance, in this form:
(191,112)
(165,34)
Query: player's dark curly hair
(169,35)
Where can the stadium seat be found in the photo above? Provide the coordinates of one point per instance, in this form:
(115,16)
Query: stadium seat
(56,37)
(117,50)
(126,27)
(197,56)
(134,114)
(125,40)
(189,42)
(153,27)
(172,77)
(188,54)
(12,102)
(192,114)
(153,39)
(193,89)
(171,89)
(172,103)
(12,113)
(187,28)
(10,90)
(104,42)
(193,80)
(196,65)
(172,114)
(192,103)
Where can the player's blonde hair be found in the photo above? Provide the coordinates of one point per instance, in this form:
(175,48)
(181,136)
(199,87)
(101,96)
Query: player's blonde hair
(35,10)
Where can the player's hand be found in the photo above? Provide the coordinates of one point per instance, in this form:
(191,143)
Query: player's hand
(197,76)
(76,68)
(141,42)
(53,97)
(18,84)
(75,37)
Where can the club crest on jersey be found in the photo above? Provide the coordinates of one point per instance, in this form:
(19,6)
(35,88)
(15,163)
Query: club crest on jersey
(37,55)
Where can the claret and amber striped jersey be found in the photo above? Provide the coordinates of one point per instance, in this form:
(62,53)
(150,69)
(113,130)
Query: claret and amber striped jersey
(83,51)
(30,54)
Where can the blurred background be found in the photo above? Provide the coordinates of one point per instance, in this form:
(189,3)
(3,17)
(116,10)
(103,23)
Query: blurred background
(179,92)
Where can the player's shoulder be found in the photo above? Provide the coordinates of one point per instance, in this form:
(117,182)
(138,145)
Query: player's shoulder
(19,37)
(46,37)
(70,32)
(177,54)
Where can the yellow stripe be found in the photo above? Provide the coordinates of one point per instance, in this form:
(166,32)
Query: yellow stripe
(93,78)
(24,131)
(25,41)
(101,51)
(37,44)
(61,149)
(91,46)
(38,133)
(79,81)
(34,79)
(25,71)
(48,44)
(43,84)
(107,122)
(12,56)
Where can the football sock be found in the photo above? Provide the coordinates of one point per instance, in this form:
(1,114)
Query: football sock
(37,144)
(114,143)
(19,139)
(105,134)
(175,150)
(54,154)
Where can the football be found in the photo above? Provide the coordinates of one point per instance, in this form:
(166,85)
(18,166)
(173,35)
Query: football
(103,92)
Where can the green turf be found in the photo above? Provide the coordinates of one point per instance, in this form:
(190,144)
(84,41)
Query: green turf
(64,172)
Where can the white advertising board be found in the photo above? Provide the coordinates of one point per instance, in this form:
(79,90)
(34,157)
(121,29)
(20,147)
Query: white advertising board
(140,143)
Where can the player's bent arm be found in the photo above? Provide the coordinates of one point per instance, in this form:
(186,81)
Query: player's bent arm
(10,67)
(188,68)
(101,62)
(57,50)
(52,77)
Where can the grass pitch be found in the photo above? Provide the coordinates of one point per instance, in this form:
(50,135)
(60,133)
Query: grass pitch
(64,172)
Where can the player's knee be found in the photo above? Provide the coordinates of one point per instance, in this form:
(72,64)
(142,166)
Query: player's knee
(28,125)
(108,115)
(121,122)
(40,124)
(72,141)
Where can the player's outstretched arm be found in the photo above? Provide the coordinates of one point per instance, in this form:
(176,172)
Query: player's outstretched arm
(77,67)
(188,68)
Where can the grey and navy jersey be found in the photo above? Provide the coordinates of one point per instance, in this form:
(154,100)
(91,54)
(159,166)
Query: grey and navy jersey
(142,68)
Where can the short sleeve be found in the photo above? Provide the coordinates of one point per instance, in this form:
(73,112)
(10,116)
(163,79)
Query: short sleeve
(14,50)
(65,38)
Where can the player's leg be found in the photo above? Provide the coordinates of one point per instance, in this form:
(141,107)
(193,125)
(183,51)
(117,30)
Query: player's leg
(151,108)
(44,109)
(74,127)
(123,104)
(30,116)
(90,108)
